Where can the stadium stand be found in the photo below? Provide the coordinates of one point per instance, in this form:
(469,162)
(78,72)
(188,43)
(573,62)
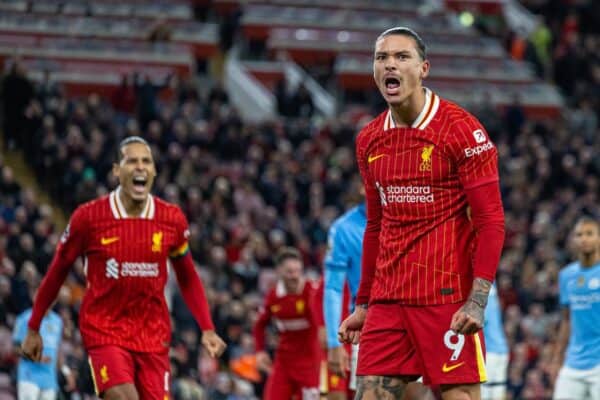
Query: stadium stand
(250,187)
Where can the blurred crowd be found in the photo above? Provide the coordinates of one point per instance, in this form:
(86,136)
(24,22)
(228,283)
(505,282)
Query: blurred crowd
(249,189)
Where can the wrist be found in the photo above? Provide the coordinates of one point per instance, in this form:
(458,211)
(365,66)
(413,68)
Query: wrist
(363,306)
(477,302)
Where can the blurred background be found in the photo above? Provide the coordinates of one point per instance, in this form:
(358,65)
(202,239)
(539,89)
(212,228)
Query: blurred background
(251,108)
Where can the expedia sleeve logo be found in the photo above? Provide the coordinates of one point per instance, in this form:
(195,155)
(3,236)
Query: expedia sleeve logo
(479,136)
(477,150)
(483,144)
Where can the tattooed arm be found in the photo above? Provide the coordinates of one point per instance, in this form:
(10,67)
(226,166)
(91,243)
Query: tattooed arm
(469,318)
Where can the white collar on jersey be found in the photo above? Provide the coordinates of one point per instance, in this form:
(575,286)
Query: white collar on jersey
(280,288)
(118,210)
(432,103)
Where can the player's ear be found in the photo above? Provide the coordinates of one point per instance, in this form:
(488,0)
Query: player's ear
(115,170)
(425,69)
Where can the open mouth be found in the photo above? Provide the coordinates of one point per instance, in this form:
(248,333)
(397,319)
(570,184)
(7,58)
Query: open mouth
(139,184)
(392,85)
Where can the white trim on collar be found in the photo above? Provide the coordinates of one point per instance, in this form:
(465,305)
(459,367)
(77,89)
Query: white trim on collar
(432,103)
(280,290)
(119,212)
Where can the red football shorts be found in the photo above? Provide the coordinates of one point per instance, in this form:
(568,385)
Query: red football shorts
(114,365)
(336,383)
(293,378)
(412,341)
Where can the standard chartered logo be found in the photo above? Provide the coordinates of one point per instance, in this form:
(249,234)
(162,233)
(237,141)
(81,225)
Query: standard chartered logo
(133,269)
(404,194)
(112,269)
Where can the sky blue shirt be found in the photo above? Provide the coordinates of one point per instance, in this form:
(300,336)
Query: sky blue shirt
(580,292)
(493,329)
(342,263)
(44,375)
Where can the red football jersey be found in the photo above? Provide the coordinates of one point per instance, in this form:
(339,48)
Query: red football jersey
(419,238)
(296,318)
(126,268)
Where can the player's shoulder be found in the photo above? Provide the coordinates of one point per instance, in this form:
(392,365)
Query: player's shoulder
(313,285)
(96,206)
(461,127)
(569,269)
(347,218)
(271,295)
(371,128)
(165,209)
(456,116)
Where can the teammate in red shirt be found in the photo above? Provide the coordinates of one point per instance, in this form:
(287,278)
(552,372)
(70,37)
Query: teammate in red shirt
(291,306)
(435,229)
(125,239)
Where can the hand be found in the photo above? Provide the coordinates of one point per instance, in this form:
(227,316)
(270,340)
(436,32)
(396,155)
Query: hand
(213,343)
(469,318)
(32,346)
(338,361)
(263,362)
(349,331)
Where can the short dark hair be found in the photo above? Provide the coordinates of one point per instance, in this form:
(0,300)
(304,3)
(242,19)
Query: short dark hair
(128,140)
(586,219)
(402,30)
(286,253)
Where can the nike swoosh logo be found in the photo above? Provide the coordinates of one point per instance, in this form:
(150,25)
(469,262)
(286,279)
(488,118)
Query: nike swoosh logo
(373,158)
(106,241)
(446,368)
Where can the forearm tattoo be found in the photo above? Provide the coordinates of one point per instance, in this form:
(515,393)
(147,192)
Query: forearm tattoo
(380,388)
(480,292)
(478,299)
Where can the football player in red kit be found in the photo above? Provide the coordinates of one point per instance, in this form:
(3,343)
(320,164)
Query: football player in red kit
(291,306)
(125,239)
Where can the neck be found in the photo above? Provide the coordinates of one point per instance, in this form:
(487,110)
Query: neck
(406,113)
(132,207)
(589,260)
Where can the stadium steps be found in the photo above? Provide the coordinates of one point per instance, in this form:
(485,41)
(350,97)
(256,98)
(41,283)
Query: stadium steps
(25,176)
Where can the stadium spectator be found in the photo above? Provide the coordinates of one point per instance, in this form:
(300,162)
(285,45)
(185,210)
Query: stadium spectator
(16,94)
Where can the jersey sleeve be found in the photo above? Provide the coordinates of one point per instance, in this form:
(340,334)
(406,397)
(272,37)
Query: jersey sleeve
(182,233)
(74,239)
(72,244)
(474,153)
(260,327)
(374,214)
